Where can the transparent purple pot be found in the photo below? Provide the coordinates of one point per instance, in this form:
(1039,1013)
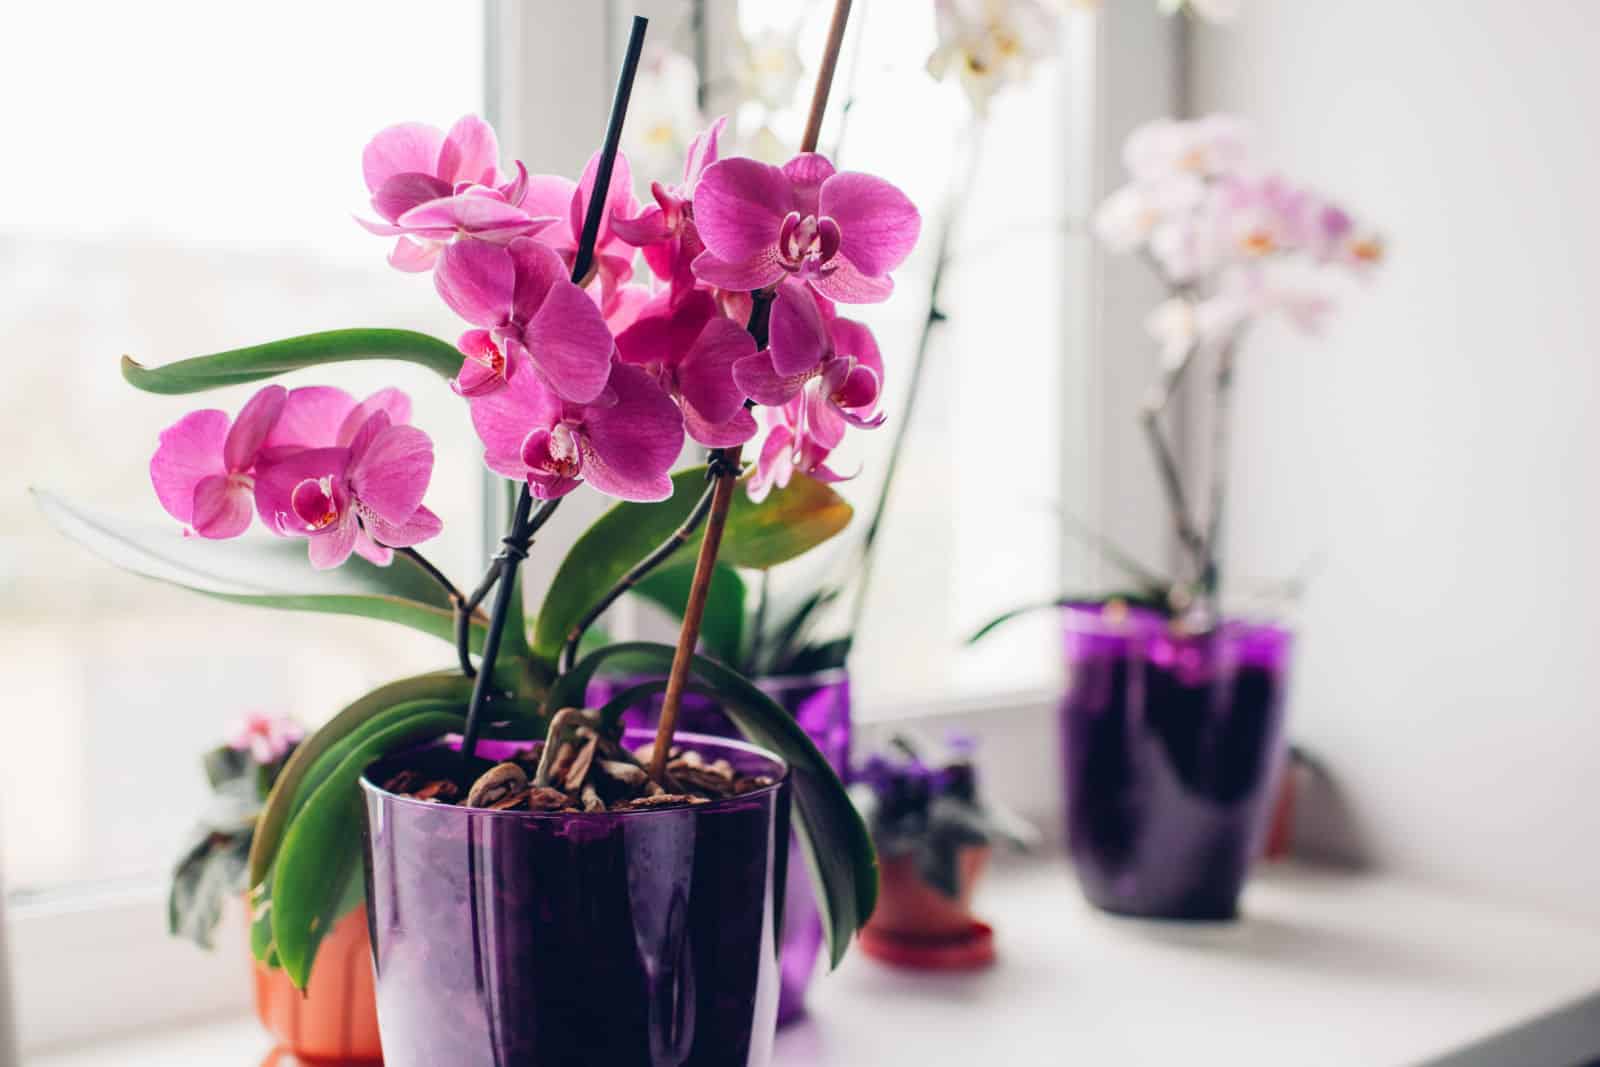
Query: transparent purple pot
(520,939)
(1172,746)
(820,703)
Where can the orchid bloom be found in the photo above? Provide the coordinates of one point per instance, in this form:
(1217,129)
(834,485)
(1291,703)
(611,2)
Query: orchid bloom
(990,44)
(812,349)
(793,443)
(665,230)
(529,313)
(839,232)
(204,469)
(691,350)
(365,497)
(268,738)
(430,187)
(568,201)
(623,443)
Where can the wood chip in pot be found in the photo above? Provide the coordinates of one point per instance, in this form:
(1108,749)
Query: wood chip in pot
(495,784)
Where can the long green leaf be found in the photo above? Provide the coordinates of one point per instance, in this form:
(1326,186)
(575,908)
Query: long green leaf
(280,802)
(265,571)
(788,522)
(252,364)
(722,629)
(310,881)
(833,838)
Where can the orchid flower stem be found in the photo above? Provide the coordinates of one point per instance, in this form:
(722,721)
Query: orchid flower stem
(959,194)
(525,522)
(1189,536)
(456,599)
(1221,419)
(726,463)
(637,574)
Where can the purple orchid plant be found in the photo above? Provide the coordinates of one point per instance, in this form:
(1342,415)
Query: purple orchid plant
(575,370)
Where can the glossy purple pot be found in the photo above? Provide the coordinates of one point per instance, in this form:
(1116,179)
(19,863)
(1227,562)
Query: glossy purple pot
(1172,746)
(519,939)
(820,703)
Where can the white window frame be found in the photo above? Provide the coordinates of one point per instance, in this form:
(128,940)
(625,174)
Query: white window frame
(97,962)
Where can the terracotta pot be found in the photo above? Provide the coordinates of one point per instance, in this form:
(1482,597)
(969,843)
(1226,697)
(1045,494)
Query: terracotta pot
(908,907)
(336,1019)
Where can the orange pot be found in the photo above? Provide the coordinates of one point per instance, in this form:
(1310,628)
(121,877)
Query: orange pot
(915,925)
(336,1019)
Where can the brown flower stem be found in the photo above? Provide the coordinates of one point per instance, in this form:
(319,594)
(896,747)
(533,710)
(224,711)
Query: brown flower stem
(525,522)
(726,461)
(438,576)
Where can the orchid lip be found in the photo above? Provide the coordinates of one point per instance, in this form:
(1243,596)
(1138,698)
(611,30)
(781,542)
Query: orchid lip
(807,243)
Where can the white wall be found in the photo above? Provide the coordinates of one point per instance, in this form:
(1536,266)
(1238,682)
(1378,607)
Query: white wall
(1440,445)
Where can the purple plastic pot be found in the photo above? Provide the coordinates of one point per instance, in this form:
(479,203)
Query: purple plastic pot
(820,703)
(563,940)
(1172,747)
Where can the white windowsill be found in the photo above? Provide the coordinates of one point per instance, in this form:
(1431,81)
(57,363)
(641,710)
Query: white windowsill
(1327,968)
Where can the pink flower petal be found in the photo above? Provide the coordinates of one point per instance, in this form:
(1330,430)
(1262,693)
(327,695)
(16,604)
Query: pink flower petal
(852,338)
(702,153)
(775,464)
(806,172)
(190,451)
(477,281)
(757,272)
(619,197)
(570,344)
(739,206)
(504,418)
(277,481)
(331,547)
(470,152)
(486,217)
(413,256)
(389,473)
(846,284)
(634,443)
(705,373)
(643,229)
(735,431)
(878,224)
(391,401)
(627,304)
(311,418)
(423,525)
(250,429)
(222,506)
(403,192)
(411,147)
(538,268)
(550,195)
(369,550)
(797,337)
(758,379)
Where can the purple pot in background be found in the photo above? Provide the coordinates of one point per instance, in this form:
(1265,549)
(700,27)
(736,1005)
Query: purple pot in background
(820,703)
(562,940)
(1172,745)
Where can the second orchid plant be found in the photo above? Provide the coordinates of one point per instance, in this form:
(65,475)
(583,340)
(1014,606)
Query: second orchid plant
(575,368)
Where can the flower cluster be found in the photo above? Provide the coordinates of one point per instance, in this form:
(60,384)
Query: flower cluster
(312,462)
(266,738)
(596,379)
(988,45)
(1235,242)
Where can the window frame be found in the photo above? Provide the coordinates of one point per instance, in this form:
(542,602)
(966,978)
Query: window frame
(83,961)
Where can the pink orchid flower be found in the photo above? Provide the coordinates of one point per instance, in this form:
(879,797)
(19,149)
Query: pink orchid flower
(811,349)
(530,313)
(793,443)
(841,233)
(431,187)
(691,351)
(365,497)
(624,443)
(268,738)
(204,468)
(322,416)
(665,230)
(550,194)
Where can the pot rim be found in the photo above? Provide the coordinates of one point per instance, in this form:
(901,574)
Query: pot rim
(1088,619)
(371,788)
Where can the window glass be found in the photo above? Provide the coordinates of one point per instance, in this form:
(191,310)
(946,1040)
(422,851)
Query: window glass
(189,193)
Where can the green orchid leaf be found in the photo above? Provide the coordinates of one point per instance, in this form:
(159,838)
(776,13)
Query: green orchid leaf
(322,850)
(788,522)
(269,572)
(444,687)
(722,628)
(833,838)
(252,364)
